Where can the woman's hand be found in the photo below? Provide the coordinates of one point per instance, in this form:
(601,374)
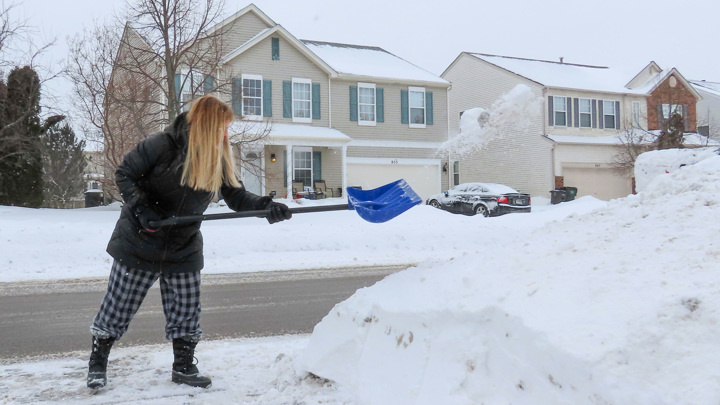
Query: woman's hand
(278,211)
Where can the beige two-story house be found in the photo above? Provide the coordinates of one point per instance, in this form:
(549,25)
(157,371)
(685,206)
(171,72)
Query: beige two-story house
(574,140)
(345,115)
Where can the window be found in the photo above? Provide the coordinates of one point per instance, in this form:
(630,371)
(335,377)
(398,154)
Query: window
(191,85)
(417,107)
(302,100)
(275,48)
(560,111)
(302,164)
(252,96)
(366,104)
(608,114)
(585,107)
(456,172)
(670,109)
(636,113)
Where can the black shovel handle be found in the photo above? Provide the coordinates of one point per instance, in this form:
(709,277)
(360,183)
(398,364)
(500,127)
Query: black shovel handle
(242,214)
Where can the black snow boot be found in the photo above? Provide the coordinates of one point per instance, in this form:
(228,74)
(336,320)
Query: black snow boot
(97,372)
(183,370)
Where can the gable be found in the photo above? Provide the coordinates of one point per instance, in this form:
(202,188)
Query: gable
(241,30)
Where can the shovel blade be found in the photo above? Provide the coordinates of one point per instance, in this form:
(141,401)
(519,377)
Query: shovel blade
(383,203)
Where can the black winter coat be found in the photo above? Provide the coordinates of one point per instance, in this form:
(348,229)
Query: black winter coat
(150,176)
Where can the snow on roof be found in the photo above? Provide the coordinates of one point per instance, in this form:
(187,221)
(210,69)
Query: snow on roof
(710,87)
(369,61)
(689,139)
(307,134)
(563,75)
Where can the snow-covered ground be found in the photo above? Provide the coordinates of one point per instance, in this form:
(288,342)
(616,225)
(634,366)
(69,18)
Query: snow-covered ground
(584,302)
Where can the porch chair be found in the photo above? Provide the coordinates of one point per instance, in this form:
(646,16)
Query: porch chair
(297,186)
(320,190)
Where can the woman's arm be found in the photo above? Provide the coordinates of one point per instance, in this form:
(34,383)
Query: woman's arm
(239,199)
(137,164)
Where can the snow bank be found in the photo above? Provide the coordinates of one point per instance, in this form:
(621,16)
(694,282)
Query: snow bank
(652,164)
(616,306)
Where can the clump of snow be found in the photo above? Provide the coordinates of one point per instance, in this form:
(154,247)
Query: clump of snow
(616,306)
(652,164)
(479,126)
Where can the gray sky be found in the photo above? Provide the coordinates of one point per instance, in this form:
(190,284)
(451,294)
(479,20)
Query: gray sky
(622,34)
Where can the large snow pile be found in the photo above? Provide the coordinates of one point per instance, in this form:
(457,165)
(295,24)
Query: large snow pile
(617,306)
(655,163)
(480,126)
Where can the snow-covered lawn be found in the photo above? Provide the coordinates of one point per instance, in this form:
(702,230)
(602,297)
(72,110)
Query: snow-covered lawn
(585,302)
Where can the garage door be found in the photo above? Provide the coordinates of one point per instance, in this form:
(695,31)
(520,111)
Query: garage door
(602,183)
(424,179)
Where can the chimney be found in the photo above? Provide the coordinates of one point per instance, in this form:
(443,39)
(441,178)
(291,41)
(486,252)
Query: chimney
(561,59)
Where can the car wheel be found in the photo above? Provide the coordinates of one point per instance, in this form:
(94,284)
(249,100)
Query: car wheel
(481,210)
(435,204)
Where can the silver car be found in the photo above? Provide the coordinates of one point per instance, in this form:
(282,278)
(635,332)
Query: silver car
(486,199)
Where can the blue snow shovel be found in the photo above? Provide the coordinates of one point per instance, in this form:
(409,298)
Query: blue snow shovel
(377,205)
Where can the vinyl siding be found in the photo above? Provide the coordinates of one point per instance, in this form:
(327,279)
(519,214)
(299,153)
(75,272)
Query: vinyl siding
(240,31)
(625,112)
(258,60)
(520,160)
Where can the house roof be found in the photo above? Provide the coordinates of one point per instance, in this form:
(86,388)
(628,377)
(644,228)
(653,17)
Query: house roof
(561,74)
(371,62)
(711,87)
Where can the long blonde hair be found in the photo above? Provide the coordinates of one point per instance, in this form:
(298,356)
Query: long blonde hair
(209,161)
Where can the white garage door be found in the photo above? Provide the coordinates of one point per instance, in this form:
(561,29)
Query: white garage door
(602,183)
(424,179)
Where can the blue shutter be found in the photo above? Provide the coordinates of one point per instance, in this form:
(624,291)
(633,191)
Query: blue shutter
(287,99)
(317,166)
(208,85)
(568,111)
(551,112)
(275,48)
(380,106)
(178,86)
(353,103)
(428,108)
(577,112)
(267,98)
(404,113)
(594,113)
(601,116)
(237,96)
(617,115)
(316,101)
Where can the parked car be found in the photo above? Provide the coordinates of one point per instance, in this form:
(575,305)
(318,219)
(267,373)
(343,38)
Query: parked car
(486,199)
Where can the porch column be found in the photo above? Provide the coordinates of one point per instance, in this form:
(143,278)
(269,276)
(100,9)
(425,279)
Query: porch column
(289,170)
(344,170)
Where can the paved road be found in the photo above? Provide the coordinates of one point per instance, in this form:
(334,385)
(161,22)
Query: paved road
(45,318)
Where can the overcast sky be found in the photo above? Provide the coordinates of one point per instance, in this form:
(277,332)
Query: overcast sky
(622,34)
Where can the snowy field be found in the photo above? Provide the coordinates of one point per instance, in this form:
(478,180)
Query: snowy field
(585,302)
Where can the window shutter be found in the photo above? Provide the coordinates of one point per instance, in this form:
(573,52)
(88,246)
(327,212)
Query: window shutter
(551,112)
(568,111)
(576,112)
(594,113)
(428,108)
(380,105)
(237,96)
(178,87)
(317,166)
(208,85)
(353,103)
(601,116)
(617,115)
(275,48)
(686,121)
(316,101)
(287,99)
(404,113)
(267,98)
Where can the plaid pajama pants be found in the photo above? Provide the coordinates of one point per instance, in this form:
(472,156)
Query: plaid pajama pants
(126,290)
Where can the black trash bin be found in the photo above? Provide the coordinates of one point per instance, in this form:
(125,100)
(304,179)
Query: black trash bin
(570,193)
(557,196)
